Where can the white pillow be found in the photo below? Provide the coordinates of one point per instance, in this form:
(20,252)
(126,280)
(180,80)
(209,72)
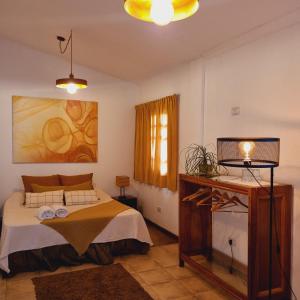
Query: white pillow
(81,197)
(46,198)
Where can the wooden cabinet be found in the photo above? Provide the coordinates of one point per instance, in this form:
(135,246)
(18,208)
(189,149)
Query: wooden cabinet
(127,200)
(195,237)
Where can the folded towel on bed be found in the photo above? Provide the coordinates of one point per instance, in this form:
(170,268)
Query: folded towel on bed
(60,211)
(46,213)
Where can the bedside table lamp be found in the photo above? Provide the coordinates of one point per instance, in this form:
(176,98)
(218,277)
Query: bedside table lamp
(253,153)
(122,182)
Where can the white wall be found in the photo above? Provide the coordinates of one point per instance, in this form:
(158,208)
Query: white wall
(27,72)
(263,79)
(186,81)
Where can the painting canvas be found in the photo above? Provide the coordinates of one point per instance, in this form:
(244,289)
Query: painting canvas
(54,131)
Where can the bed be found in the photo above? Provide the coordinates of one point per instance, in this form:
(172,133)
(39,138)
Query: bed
(28,245)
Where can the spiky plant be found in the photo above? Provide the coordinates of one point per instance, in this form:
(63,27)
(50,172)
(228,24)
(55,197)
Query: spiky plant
(200,162)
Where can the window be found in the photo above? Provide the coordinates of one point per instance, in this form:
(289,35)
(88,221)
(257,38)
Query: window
(163,142)
(156,143)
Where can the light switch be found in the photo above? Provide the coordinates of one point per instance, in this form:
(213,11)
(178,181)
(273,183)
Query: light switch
(235,111)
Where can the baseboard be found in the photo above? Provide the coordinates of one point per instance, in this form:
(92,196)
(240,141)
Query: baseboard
(225,261)
(219,256)
(162,229)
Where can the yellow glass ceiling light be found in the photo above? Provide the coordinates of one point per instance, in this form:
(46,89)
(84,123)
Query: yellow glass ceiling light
(161,12)
(71,84)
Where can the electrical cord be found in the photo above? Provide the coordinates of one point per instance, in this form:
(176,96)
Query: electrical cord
(277,236)
(231,265)
(62,39)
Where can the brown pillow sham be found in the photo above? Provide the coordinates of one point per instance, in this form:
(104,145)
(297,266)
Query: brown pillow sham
(78,187)
(75,179)
(41,180)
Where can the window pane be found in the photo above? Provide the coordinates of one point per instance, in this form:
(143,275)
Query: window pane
(164,120)
(163,169)
(164,133)
(163,123)
(163,151)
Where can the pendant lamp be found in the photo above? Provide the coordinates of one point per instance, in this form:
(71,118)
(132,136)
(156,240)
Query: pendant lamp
(71,84)
(161,12)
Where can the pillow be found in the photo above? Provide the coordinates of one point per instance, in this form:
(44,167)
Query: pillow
(36,188)
(47,198)
(81,197)
(75,179)
(42,180)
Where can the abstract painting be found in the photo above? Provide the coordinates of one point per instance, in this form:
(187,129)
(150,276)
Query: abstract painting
(54,131)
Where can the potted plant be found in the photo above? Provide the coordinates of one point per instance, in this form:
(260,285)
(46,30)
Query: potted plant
(199,161)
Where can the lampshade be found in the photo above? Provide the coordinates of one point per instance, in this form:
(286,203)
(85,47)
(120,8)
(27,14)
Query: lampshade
(158,10)
(122,181)
(71,84)
(65,83)
(248,152)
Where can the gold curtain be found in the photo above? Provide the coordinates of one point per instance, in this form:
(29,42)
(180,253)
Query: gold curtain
(156,143)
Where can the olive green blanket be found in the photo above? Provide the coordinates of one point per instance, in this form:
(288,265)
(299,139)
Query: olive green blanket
(81,227)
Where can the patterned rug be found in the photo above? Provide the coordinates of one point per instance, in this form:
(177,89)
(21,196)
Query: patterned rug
(106,282)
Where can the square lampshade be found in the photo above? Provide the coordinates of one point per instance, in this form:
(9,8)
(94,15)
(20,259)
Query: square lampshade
(248,152)
(122,181)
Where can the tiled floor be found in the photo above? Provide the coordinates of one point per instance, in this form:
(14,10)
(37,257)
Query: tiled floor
(160,237)
(157,272)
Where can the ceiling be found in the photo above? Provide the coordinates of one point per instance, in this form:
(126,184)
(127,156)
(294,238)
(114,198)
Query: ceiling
(108,40)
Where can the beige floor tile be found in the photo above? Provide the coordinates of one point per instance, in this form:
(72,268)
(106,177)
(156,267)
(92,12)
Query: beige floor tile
(127,267)
(179,273)
(163,257)
(172,248)
(83,267)
(24,276)
(196,285)
(2,282)
(2,288)
(151,291)
(155,276)
(187,298)
(58,271)
(170,290)
(138,278)
(211,295)
(20,296)
(19,286)
(2,292)
(140,263)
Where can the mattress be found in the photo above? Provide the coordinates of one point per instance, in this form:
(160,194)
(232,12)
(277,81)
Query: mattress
(21,229)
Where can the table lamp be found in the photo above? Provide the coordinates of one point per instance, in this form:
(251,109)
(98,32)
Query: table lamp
(253,153)
(122,182)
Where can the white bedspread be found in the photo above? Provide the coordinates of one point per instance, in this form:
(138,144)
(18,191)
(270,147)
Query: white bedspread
(22,230)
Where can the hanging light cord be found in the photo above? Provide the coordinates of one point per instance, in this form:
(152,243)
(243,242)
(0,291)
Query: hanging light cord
(63,50)
(277,237)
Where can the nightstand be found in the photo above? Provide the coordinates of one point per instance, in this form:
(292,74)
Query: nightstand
(127,200)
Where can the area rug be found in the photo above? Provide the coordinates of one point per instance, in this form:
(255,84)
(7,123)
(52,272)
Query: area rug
(106,282)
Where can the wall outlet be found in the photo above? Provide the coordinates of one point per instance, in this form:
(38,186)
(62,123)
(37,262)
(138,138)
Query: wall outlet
(231,242)
(235,111)
(158,209)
